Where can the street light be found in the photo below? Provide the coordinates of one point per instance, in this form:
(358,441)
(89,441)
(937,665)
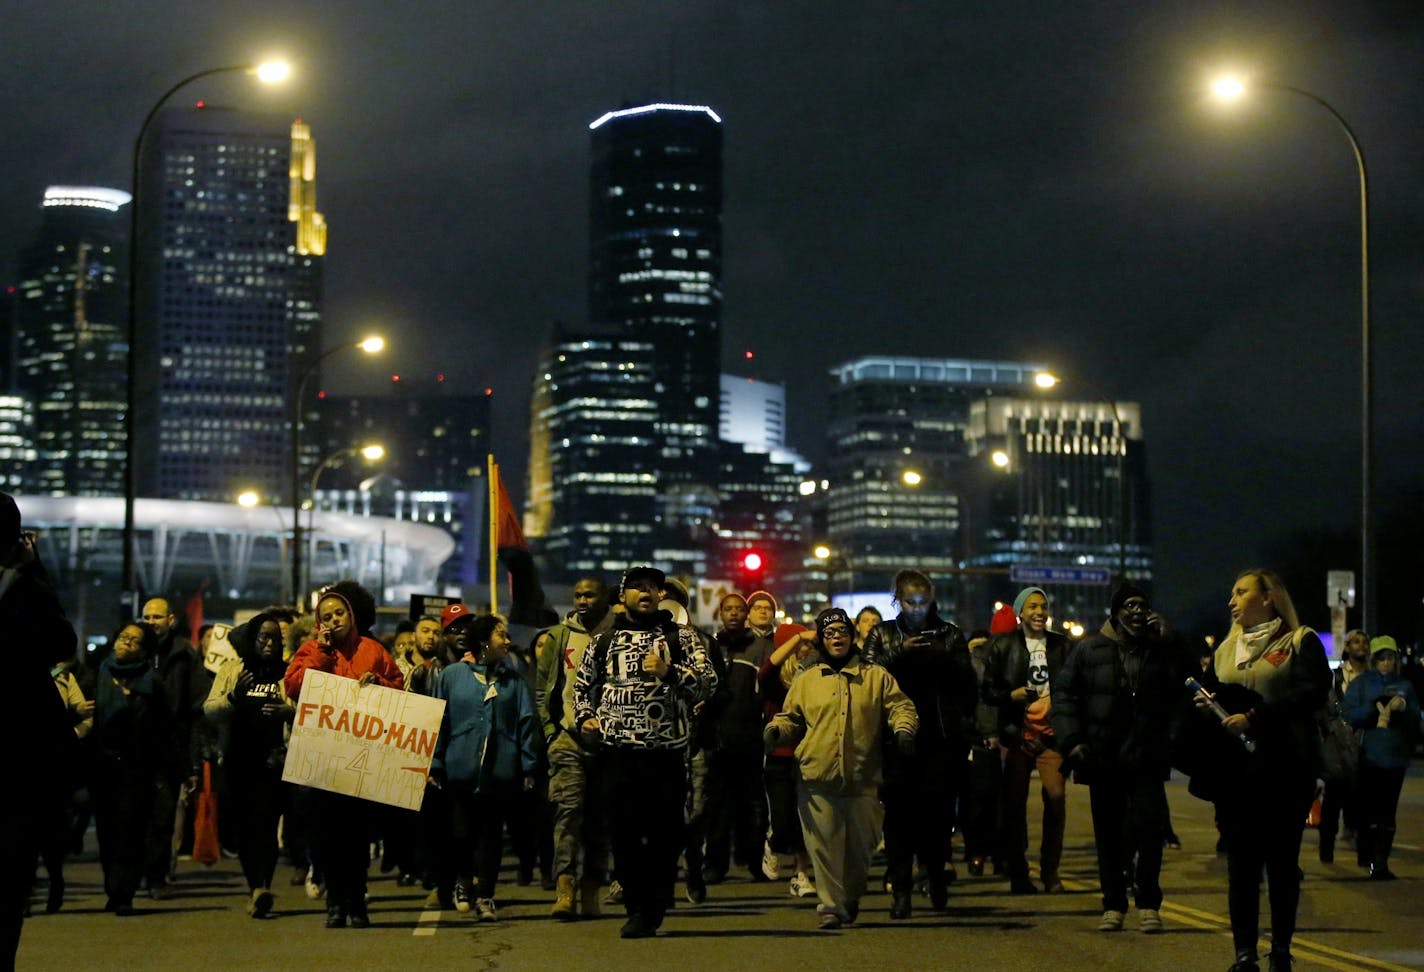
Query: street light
(250,499)
(830,556)
(912,477)
(1234,88)
(370,345)
(1048,380)
(269,72)
(371,453)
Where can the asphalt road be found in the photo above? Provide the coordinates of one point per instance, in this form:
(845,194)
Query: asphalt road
(1346,922)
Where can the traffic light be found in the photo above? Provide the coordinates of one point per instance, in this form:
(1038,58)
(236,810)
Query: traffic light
(752,562)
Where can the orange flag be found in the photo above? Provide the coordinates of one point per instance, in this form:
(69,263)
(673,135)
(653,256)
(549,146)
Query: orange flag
(508,530)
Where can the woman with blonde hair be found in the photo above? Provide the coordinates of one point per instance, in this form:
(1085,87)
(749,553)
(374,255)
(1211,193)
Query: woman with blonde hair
(1270,675)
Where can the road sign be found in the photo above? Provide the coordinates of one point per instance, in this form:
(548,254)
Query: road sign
(1035,574)
(1339,588)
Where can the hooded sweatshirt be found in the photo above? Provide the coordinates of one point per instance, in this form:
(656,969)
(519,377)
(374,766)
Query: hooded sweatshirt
(353,658)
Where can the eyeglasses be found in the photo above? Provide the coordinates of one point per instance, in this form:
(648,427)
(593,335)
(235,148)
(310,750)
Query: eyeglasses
(129,639)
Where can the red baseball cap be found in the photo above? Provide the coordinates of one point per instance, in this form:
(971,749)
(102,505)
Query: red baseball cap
(453,613)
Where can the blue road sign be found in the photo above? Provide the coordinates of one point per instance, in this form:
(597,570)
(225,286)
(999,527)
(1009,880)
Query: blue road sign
(1034,574)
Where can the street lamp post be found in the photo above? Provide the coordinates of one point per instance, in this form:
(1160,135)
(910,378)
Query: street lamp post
(250,499)
(1047,380)
(271,72)
(1233,89)
(370,345)
(371,453)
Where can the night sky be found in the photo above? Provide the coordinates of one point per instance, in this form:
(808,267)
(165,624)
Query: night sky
(1020,180)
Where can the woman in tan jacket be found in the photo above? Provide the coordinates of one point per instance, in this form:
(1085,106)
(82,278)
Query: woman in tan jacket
(836,712)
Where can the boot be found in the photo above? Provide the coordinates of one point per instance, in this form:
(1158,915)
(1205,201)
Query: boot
(1381,843)
(900,907)
(335,914)
(589,892)
(564,904)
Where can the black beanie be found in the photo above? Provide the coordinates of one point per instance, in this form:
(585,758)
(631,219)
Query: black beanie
(1125,590)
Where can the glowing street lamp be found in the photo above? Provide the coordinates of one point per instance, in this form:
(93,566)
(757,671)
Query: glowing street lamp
(911,477)
(1000,458)
(372,344)
(268,72)
(248,498)
(372,452)
(1231,89)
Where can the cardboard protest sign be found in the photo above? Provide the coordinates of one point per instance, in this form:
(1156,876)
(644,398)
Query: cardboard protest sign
(367,741)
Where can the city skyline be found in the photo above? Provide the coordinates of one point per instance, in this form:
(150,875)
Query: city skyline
(1034,185)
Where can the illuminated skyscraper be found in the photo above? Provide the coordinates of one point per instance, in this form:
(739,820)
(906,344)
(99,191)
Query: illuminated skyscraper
(655,271)
(229,315)
(592,460)
(71,341)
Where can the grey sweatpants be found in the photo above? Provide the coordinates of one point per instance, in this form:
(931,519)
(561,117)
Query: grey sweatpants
(841,833)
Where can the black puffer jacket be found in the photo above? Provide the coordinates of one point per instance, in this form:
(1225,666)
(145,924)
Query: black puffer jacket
(1123,713)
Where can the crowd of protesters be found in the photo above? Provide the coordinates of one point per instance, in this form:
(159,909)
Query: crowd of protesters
(622,741)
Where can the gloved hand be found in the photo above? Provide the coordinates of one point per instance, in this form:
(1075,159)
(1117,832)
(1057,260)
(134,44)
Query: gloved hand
(905,742)
(770,738)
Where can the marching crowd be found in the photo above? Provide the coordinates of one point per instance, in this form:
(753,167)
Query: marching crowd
(624,749)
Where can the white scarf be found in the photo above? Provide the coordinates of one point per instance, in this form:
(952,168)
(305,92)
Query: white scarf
(1253,640)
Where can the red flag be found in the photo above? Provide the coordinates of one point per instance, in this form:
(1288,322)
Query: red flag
(194,610)
(508,531)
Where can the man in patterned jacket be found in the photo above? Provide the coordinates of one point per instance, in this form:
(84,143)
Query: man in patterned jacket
(633,694)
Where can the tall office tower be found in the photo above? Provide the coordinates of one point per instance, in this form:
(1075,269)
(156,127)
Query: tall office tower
(229,305)
(1061,483)
(593,457)
(895,460)
(655,270)
(437,442)
(18,456)
(71,341)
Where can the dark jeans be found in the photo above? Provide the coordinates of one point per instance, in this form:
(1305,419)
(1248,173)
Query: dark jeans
(1378,795)
(477,822)
(1262,822)
(1339,799)
(980,806)
(339,834)
(736,807)
(644,791)
(124,801)
(1128,824)
(256,797)
(159,850)
(917,811)
(435,864)
(780,776)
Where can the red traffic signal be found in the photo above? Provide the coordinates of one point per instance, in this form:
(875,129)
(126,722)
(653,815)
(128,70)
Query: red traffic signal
(752,562)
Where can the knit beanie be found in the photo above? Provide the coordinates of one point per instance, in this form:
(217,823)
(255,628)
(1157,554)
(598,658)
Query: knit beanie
(786,632)
(1004,621)
(1125,591)
(829,617)
(1023,597)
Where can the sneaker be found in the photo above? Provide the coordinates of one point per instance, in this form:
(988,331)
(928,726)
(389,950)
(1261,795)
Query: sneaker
(1111,921)
(636,927)
(615,893)
(696,892)
(462,897)
(299,877)
(770,865)
(801,886)
(484,910)
(261,903)
(830,921)
(1054,886)
(1151,920)
(315,891)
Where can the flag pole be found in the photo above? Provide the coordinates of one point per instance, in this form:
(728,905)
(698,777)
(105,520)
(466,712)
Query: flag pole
(493,535)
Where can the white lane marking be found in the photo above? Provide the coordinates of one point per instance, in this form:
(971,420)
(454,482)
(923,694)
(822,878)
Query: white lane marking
(428,924)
